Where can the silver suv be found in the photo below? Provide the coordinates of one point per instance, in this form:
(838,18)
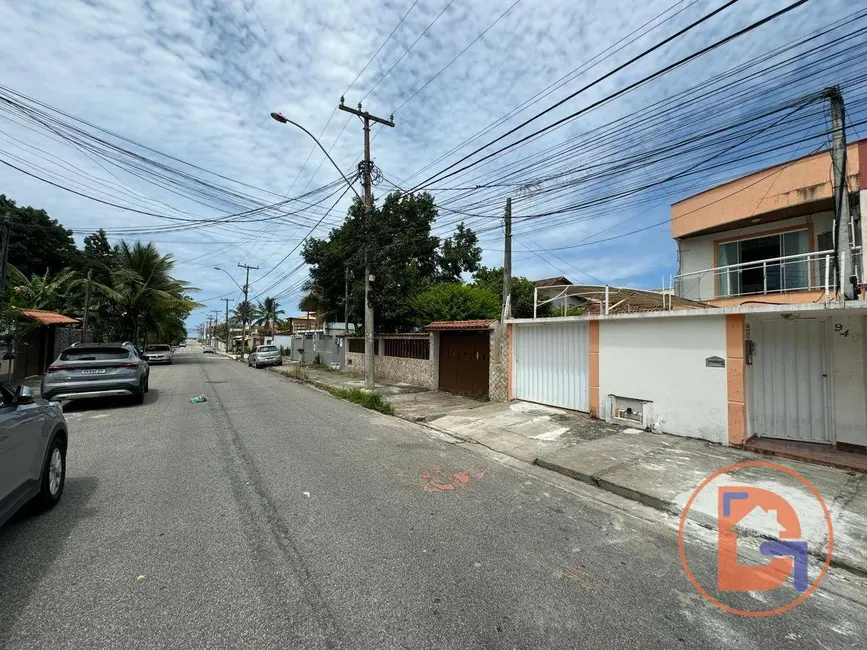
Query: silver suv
(97,370)
(265,355)
(33,436)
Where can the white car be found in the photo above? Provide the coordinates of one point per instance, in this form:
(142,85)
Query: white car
(159,353)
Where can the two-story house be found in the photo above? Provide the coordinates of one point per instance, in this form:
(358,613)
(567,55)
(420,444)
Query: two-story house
(765,246)
(768,237)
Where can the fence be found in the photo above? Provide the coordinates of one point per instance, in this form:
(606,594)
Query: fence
(401,358)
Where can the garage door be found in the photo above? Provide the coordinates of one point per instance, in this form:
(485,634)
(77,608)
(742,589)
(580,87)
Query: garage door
(551,364)
(789,380)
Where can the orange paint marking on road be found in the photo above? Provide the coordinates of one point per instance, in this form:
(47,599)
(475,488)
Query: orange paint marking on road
(436,480)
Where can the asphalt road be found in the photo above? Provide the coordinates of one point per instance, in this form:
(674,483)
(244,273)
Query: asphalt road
(275,516)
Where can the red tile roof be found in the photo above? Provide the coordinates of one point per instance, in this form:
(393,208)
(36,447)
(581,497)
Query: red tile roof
(48,317)
(461,324)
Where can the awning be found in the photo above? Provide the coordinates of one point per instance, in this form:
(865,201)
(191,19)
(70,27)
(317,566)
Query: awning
(48,317)
(461,324)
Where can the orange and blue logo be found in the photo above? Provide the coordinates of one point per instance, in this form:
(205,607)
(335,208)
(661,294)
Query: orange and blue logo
(749,510)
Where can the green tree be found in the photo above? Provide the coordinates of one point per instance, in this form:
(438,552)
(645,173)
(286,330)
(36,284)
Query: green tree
(452,301)
(60,292)
(243,312)
(522,291)
(37,243)
(149,303)
(268,313)
(406,259)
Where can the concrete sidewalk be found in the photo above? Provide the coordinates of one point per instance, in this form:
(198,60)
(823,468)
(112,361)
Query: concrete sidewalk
(658,470)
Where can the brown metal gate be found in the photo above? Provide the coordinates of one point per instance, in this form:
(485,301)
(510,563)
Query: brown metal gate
(464,363)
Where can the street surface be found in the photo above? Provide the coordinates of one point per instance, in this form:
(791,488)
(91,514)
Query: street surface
(275,516)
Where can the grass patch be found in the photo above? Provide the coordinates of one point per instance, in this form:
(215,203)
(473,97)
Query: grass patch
(322,366)
(369,400)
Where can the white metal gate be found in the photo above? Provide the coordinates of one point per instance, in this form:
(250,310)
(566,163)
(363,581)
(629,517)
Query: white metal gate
(551,364)
(789,380)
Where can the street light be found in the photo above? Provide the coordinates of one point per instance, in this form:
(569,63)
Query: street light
(285,120)
(217,268)
(244,320)
(368,202)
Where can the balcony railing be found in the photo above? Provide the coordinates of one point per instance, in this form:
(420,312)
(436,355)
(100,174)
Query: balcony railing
(803,272)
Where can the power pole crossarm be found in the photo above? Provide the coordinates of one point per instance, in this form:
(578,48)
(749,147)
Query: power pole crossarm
(367,118)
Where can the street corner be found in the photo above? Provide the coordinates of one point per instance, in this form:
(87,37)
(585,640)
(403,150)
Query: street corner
(438,480)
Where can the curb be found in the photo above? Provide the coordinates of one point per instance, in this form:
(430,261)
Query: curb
(590,479)
(672,509)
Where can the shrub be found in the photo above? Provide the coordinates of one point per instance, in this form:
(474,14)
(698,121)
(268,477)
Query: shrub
(455,302)
(369,400)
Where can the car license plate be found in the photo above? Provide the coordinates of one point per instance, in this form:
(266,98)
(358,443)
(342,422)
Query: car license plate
(93,371)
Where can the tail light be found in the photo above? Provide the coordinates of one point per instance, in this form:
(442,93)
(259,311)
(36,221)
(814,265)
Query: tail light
(57,368)
(129,364)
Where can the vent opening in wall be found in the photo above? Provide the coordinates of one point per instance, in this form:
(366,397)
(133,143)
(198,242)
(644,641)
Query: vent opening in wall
(630,412)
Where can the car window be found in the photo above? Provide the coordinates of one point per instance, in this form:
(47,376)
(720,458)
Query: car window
(94,354)
(7,395)
(267,348)
(158,348)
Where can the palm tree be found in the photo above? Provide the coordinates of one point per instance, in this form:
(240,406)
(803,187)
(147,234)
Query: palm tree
(149,300)
(267,312)
(60,292)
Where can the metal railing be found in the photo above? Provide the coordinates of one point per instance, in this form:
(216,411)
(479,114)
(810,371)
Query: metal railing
(804,272)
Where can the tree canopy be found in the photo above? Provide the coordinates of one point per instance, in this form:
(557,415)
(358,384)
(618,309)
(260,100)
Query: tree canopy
(522,291)
(405,256)
(453,301)
(37,243)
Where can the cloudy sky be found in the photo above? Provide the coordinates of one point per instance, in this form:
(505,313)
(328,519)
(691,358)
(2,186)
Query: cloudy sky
(197,79)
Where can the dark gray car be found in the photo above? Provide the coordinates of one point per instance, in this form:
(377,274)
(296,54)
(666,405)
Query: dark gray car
(265,355)
(96,370)
(33,437)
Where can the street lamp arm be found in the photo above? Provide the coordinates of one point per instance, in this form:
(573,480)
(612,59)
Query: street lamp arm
(285,120)
(217,268)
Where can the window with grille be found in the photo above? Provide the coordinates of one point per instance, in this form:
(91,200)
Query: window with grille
(356,345)
(407,348)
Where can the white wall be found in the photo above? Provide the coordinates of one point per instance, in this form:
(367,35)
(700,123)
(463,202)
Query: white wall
(663,360)
(697,253)
(847,350)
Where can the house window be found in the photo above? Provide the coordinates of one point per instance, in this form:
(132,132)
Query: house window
(762,267)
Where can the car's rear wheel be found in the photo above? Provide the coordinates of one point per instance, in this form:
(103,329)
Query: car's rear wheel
(53,475)
(138,398)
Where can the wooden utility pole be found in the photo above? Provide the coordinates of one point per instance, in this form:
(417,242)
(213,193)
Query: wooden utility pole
(346,303)
(246,305)
(216,313)
(4,250)
(367,118)
(507,266)
(841,191)
(228,338)
(86,306)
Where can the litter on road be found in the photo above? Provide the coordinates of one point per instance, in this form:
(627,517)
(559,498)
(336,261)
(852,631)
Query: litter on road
(197,399)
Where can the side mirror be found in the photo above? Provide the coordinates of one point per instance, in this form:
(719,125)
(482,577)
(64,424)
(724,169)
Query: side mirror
(23,395)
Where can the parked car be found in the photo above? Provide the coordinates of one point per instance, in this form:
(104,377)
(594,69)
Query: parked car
(208,350)
(33,436)
(182,344)
(97,370)
(158,353)
(265,355)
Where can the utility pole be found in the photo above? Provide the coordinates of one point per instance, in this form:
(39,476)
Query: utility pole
(86,306)
(367,118)
(346,303)
(246,306)
(841,191)
(4,251)
(228,338)
(216,313)
(507,266)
